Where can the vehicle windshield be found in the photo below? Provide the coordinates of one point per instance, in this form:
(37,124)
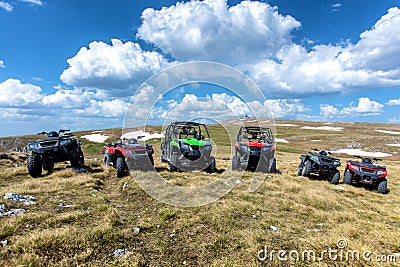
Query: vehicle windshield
(198,132)
(255,134)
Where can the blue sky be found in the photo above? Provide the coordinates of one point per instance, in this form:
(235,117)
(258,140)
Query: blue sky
(75,64)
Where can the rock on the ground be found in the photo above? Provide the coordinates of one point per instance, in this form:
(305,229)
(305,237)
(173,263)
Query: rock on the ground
(119,252)
(339,188)
(274,228)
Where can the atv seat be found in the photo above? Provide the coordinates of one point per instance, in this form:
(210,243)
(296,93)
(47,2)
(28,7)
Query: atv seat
(53,134)
(367,161)
(323,153)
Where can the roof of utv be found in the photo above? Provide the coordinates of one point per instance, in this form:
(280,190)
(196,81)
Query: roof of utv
(186,123)
(257,128)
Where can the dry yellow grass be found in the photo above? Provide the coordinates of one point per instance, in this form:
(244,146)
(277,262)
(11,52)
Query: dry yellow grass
(309,214)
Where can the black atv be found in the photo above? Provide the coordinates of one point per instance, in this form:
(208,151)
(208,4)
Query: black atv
(321,164)
(365,172)
(59,146)
(187,145)
(254,150)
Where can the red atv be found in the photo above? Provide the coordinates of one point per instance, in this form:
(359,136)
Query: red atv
(127,155)
(366,173)
(254,150)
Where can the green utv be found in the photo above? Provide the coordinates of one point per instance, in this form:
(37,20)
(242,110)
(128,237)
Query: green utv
(187,146)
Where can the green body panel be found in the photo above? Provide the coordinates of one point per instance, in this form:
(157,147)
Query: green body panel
(173,143)
(191,141)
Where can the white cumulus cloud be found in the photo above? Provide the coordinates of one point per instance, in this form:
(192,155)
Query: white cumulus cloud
(15,93)
(284,107)
(116,69)
(211,30)
(2,66)
(6,6)
(393,102)
(108,109)
(324,69)
(378,48)
(75,98)
(34,2)
(365,107)
(223,106)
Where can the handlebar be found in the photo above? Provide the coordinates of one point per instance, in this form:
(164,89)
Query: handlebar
(373,159)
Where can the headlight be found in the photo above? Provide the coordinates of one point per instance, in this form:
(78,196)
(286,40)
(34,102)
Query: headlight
(207,148)
(379,173)
(185,146)
(267,148)
(64,142)
(33,146)
(336,163)
(357,169)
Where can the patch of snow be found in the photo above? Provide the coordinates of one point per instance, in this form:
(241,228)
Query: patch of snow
(27,199)
(97,138)
(387,132)
(325,128)
(12,212)
(286,124)
(280,140)
(398,145)
(359,152)
(100,131)
(146,135)
(316,140)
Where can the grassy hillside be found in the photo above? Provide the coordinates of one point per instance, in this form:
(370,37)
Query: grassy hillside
(81,219)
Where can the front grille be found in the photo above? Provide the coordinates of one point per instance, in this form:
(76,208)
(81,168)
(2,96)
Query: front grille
(252,148)
(326,160)
(367,170)
(195,148)
(48,143)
